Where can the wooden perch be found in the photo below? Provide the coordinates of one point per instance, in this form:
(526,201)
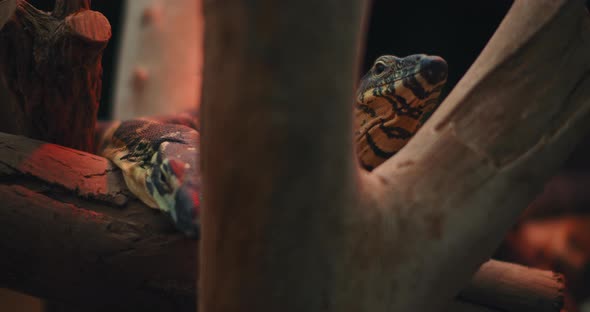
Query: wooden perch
(67,247)
(51,62)
(304,229)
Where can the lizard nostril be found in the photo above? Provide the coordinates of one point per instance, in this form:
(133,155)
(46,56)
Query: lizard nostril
(434,69)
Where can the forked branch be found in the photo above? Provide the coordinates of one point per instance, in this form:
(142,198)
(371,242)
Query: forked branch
(304,230)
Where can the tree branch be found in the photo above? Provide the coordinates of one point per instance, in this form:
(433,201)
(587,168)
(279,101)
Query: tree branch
(160,60)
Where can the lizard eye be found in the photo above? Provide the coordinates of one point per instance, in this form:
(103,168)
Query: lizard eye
(379,68)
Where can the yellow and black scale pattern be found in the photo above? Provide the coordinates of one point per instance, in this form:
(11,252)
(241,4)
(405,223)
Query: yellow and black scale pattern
(159,156)
(159,159)
(394,100)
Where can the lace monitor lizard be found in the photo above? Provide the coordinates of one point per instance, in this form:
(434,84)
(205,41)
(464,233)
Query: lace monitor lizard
(159,156)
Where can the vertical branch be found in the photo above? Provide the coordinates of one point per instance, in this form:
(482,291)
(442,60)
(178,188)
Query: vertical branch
(160,60)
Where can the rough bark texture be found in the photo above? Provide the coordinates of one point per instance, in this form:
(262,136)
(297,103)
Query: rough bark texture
(161,57)
(304,229)
(70,248)
(51,62)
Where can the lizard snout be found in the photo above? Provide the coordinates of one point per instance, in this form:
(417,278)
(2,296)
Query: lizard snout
(434,69)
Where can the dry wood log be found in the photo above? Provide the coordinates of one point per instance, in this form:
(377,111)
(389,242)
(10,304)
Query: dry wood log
(304,229)
(161,57)
(52,63)
(59,244)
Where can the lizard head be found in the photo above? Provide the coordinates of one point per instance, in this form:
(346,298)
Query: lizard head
(394,99)
(174,180)
(160,164)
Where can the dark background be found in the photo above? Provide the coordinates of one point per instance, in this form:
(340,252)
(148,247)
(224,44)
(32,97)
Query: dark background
(455,30)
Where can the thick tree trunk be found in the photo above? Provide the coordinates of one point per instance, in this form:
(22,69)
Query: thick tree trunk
(51,63)
(161,56)
(304,229)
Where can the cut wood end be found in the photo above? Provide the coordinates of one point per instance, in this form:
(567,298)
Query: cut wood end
(513,287)
(7,8)
(89,25)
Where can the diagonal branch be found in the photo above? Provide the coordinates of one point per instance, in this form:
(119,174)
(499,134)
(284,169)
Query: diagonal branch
(507,126)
